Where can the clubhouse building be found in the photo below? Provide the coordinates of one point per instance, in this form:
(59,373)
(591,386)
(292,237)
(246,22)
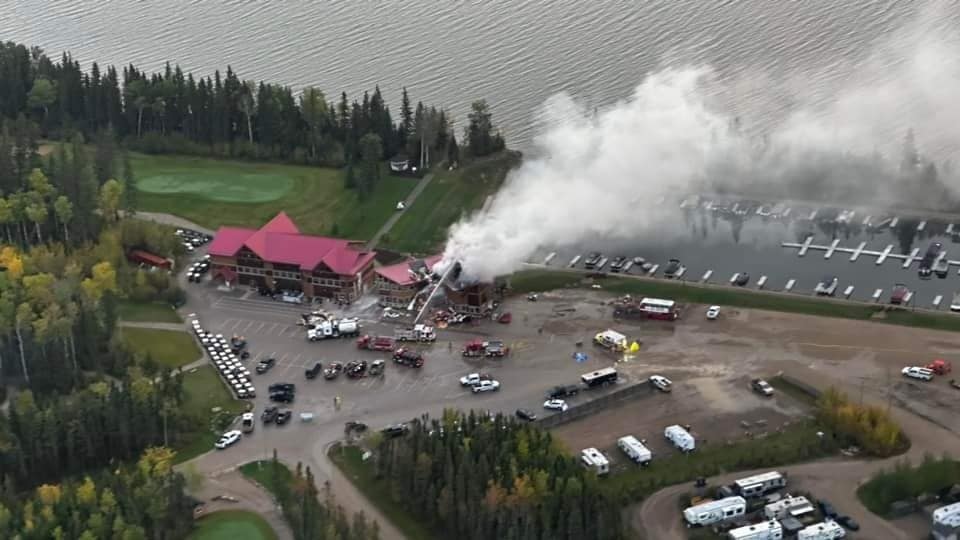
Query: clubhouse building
(278,257)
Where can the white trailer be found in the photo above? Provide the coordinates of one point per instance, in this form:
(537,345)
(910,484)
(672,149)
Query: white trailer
(788,507)
(760,484)
(591,458)
(712,512)
(680,438)
(827,530)
(767,530)
(946,522)
(635,450)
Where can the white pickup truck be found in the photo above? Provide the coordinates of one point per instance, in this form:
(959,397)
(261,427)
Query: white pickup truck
(915,372)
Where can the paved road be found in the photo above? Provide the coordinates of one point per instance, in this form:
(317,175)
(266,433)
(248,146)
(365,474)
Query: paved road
(658,517)
(170,219)
(408,202)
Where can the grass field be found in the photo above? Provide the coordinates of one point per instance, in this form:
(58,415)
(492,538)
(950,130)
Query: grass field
(348,459)
(147,312)
(451,194)
(544,280)
(233,525)
(272,476)
(170,348)
(203,391)
(247,194)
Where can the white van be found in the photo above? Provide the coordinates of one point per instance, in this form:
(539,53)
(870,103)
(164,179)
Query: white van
(635,450)
(591,458)
(680,438)
(712,512)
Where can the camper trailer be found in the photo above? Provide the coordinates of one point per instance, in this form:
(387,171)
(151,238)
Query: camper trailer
(612,340)
(788,507)
(946,522)
(767,530)
(591,458)
(680,438)
(712,512)
(760,484)
(635,450)
(827,530)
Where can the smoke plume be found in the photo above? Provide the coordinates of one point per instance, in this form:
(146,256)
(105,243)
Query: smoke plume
(606,174)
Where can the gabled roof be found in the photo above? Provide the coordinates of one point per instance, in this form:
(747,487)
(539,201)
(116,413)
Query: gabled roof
(401,273)
(279,241)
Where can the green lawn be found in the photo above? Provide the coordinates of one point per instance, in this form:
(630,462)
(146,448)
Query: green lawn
(204,390)
(218,192)
(348,460)
(170,348)
(272,476)
(545,280)
(233,525)
(147,312)
(451,194)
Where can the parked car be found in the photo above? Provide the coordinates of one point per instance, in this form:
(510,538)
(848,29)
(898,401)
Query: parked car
(940,367)
(827,509)
(661,383)
(376,368)
(395,430)
(228,439)
(284,416)
(563,391)
(526,414)
(282,387)
(848,522)
(555,405)
(264,365)
(357,369)
(486,386)
(247,422)
(359,427)
(915,372)
(282,397)
(314,370)
(761,386)
(269,414)
(334,369)
(474,379)
(713,313)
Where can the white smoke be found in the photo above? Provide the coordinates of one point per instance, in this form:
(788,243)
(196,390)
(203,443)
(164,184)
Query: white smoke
(605,175)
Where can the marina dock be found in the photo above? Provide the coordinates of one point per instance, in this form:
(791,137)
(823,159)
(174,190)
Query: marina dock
(910,258)
(706,276)
(860,250)
(857,252)
(832,248)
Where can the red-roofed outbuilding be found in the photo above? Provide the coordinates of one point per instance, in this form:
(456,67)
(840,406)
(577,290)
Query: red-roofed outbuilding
(397,284)
(278,256)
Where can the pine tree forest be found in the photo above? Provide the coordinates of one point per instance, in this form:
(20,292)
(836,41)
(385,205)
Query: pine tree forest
(474,477)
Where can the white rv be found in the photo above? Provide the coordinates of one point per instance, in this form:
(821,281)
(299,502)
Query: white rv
(712,512)
(593,459)
(767,530)
(635,450)
(788,507)
(827,530)
(946,522)
(680,438)
(760,484)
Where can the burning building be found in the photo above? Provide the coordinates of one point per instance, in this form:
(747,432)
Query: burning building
(398,284)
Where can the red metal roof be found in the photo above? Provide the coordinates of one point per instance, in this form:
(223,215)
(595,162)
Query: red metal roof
(279,241)
(400,273)
(149,258)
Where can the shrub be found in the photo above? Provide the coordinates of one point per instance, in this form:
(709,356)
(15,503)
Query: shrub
(904,483)
(868,426)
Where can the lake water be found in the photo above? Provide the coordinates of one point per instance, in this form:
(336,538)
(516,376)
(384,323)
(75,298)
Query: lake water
(513,53)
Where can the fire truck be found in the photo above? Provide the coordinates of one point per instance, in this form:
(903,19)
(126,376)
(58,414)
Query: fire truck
(420,332)
(376,343)
(478,347)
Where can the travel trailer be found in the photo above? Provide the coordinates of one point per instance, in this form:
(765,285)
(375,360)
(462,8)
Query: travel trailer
(712,512)
(635,450)
(680,438)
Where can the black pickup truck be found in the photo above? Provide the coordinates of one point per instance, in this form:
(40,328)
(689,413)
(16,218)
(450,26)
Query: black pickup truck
(563,391)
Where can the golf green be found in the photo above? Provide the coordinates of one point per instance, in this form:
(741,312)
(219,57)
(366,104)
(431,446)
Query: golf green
(232,525)
(242,187)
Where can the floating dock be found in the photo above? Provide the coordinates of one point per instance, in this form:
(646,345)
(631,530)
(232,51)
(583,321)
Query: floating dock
(908,297)
(627,267)
(653,270)
(574,261)
(680,272)
(886,253)
(805,246)
(786,213)
(602,263)
(894,222)
(936,301)
(848,291)
(857,252)
(706,276)
(921,226)
(761,282)
(832,248)
(549,257)
(734,277)
(867,220)
(813,215)
(950,228)
(790,284)
(910,258)
(877,294)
